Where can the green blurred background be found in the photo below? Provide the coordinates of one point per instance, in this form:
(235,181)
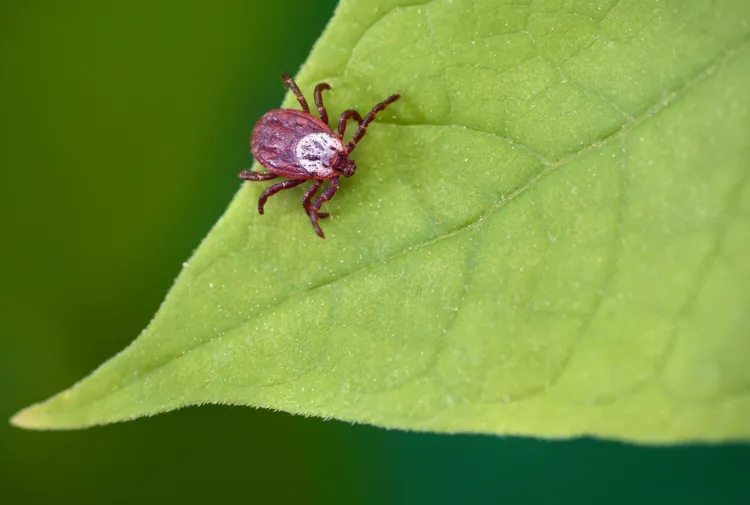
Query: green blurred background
(123,129)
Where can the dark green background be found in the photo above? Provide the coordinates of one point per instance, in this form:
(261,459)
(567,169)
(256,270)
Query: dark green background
(123,129)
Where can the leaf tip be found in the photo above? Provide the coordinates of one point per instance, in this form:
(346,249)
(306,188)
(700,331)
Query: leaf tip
(30,418)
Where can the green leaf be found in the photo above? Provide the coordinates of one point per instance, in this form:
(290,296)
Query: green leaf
(547,235)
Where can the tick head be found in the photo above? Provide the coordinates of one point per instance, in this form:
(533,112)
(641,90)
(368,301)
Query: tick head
(345,166)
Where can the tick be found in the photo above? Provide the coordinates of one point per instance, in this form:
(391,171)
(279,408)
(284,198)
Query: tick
(298,146)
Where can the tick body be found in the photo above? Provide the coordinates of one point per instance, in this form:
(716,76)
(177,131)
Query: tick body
(299,147)
(293,144)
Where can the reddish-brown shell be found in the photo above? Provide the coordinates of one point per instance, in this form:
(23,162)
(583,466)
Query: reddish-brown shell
(275,138)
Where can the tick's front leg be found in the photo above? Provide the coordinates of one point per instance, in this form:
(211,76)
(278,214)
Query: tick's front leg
(327,195)
(309,194)
(369,119)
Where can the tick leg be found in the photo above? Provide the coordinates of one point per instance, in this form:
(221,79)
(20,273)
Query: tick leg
(327,195)
(319,101)
(346,116)
(289,83)
(249,175)
(368,119)
(309,194)
(279,186)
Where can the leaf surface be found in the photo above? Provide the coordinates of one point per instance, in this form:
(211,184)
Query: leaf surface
(547,235)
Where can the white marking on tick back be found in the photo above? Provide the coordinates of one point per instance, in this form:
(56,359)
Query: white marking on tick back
(316,151)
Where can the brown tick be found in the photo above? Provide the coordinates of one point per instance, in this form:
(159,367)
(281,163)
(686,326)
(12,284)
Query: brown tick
(298,146)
